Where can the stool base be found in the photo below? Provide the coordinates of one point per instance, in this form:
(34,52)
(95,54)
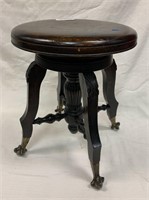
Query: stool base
(72,89)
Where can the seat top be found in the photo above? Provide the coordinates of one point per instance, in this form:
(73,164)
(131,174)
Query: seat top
(74,37)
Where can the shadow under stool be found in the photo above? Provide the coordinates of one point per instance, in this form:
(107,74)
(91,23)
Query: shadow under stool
(75,49)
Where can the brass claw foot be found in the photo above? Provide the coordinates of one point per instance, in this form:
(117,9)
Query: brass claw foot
(115,125)
(59,109)
(20,150)
(97,182)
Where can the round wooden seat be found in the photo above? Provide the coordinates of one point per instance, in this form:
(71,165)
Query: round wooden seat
(74,38)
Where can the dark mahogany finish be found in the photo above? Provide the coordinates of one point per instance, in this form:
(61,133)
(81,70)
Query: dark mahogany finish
(74,37)
(75,49)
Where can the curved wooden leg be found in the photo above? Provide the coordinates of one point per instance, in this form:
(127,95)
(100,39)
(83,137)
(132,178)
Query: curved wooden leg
(34,77)
(89,89)
(109,76)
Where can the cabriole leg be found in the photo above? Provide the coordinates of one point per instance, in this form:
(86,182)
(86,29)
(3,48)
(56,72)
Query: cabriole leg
(89,89)
(109,76)
(34,77)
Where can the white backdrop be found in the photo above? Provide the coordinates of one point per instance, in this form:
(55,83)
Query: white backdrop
(56,165)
